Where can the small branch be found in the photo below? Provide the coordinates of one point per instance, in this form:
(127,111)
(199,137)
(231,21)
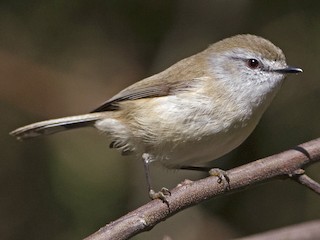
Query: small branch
(308,182)
(305,231)
(286,164)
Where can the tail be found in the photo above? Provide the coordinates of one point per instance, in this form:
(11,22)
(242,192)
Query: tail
(56,125)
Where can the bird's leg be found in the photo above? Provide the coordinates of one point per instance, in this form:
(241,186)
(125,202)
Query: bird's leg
(217,172)
(152,194)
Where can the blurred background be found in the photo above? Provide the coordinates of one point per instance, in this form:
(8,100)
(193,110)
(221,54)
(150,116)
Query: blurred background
(60,58)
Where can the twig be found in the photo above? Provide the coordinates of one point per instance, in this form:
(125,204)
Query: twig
(303,231)
(308,182)
(188,193)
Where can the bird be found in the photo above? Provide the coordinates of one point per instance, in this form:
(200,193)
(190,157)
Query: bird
(195,111)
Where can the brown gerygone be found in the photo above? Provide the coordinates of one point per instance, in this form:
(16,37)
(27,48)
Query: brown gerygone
(195,111)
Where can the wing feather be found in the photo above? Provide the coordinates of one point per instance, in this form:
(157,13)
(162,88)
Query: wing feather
(178,78)
(140,91)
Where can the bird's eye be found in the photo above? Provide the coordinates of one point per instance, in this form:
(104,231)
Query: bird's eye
(253,63)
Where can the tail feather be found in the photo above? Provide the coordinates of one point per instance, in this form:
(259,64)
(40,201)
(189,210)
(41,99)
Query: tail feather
(56,125)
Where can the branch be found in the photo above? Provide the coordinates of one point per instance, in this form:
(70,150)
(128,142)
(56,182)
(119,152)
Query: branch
(288,164)
(307,231)
(308,182)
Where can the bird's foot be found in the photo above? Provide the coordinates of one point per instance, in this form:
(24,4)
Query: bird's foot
(162,194)
(222,177)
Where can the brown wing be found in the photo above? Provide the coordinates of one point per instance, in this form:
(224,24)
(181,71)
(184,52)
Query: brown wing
(147,90)
(179,77)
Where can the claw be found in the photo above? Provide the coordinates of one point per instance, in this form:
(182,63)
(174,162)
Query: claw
(222,177)
(162,194)
(165,191)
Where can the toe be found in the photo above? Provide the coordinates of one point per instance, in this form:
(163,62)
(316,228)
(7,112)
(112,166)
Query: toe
(162,195)
(222,177)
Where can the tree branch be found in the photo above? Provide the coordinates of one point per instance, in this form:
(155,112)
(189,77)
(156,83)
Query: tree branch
(308,182)
(306,231)
(287,164)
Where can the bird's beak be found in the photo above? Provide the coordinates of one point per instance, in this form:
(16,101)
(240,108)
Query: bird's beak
(288,70)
